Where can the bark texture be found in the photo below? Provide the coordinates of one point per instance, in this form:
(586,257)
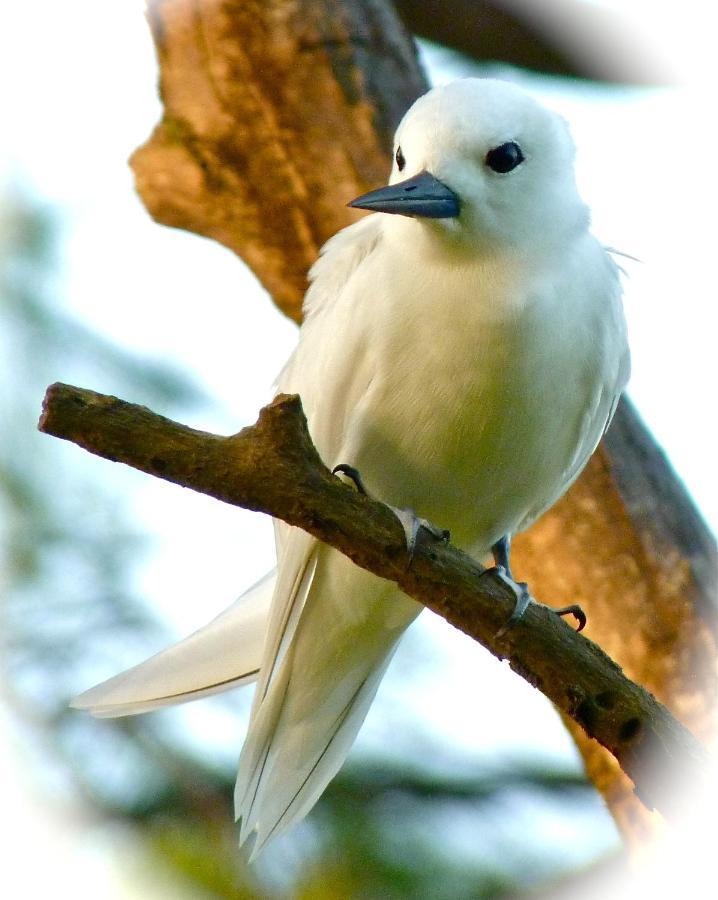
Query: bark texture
(279,112)
(273,467)
(273,109)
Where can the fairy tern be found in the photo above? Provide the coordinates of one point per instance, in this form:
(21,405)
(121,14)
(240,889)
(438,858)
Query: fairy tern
(463,347)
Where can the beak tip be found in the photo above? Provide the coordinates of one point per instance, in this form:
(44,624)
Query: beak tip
(421,196)
(357,203)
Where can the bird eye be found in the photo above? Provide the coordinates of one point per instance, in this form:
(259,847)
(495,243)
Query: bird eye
(505,157)
(400,161)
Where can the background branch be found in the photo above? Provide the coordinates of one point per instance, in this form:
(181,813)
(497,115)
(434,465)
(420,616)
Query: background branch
(559,37)
(273,467)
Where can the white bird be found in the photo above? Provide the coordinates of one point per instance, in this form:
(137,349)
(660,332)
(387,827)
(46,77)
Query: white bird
(464,348)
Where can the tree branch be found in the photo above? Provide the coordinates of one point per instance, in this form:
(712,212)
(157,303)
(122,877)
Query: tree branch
(561,37)
(273,467)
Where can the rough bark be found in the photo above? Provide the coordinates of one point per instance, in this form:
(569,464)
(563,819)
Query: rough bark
(276,114)
(273,467)
(266,104)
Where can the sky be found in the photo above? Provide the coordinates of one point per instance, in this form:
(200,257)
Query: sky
(79,95)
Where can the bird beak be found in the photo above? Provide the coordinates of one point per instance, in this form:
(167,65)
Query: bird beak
(423,196)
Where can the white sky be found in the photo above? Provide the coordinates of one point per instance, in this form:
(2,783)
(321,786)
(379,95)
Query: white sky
(78,95)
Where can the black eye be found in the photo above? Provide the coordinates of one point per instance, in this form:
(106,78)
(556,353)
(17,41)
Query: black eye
(505,157)
(400,161)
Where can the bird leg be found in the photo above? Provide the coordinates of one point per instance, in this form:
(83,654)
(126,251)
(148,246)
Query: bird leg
(410,522)
(501,552)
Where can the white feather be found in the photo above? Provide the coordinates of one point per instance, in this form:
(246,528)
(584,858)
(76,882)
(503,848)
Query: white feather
(223,654)
(319,694)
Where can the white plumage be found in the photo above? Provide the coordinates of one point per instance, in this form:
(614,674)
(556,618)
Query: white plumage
(466,359)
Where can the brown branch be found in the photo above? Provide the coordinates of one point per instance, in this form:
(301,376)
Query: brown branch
(561,37)
(273,467)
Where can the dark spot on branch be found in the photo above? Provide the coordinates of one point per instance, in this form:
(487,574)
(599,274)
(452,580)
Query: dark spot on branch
(158,464)
(629,730)
(606,699)
(586,715)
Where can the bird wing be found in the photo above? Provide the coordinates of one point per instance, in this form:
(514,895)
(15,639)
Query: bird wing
(296,568)
(609,341)
(337,260)
(617,369)
(225,653)
(332,342)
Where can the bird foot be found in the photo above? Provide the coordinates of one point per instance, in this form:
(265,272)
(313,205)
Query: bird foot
(412,525)
(520,591)
(410,522)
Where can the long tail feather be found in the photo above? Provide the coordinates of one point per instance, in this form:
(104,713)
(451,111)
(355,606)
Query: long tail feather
(225,653)
(312,708)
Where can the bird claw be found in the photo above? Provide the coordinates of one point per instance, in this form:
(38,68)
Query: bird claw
(523,598)
(520,591)
(573,610)
(412,524)
(353,475)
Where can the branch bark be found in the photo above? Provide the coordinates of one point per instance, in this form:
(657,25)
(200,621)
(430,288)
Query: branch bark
(273,467)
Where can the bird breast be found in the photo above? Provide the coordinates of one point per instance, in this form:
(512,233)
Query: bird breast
(460,391)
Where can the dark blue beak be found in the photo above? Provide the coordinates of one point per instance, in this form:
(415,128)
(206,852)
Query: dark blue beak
(423,196)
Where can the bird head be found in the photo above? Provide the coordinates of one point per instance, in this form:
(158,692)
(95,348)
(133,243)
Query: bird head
(479,163)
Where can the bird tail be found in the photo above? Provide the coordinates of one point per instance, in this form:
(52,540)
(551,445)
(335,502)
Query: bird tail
(224,654)
(308,714)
